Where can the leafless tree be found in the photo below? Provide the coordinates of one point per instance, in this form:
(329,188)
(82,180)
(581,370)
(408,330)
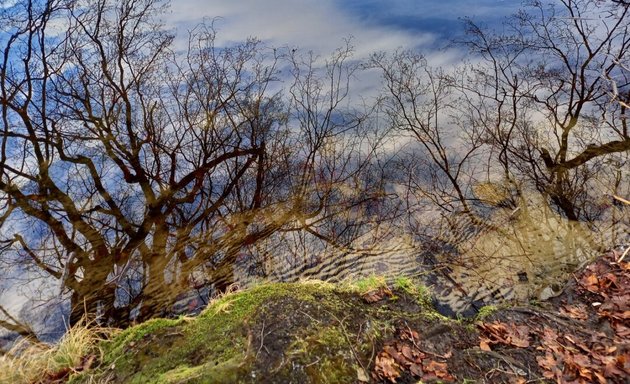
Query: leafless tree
(129,169)
(550,91)
(440,153)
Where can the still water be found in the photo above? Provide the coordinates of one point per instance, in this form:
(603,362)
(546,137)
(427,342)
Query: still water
(517,255)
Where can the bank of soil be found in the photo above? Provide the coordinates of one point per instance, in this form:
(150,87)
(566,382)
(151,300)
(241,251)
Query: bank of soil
(370,332)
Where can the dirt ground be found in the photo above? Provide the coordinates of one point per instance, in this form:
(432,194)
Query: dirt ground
(378,333)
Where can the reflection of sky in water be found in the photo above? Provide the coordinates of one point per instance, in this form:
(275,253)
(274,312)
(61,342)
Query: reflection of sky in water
(377,25)
(321,26)
(441,18)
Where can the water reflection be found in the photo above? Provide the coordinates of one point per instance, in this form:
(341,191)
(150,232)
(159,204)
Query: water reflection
(516,255)
(532,251)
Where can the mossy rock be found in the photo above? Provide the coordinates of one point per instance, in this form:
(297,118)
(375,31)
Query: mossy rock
(311,332)
(376,330)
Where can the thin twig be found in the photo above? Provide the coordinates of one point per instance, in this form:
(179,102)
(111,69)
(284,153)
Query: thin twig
(314,362)
(619,198)
(262,339)
(624,255)
(309,316)
(345,335)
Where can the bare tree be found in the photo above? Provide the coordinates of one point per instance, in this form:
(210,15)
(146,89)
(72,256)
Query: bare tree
(550,91)
(539,105)
(133,168)
(441,155)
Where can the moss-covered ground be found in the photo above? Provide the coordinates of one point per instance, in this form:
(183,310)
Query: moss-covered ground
(371,331)
(301,332)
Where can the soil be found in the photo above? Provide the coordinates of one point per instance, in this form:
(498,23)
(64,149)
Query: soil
(320,333)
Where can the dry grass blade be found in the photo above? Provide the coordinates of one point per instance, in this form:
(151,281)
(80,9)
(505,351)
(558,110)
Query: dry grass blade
(623,256)
(31,363)
(621,199)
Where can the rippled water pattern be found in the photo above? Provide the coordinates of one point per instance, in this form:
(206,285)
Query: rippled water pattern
(516,255)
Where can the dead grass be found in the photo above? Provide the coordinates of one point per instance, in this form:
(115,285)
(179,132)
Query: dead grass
(32,363)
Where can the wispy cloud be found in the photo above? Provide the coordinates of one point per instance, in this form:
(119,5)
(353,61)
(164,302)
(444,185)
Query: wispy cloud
(317,25)
(322,25)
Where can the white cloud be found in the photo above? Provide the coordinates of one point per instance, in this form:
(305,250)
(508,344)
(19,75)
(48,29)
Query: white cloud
(316,25)
(7,3)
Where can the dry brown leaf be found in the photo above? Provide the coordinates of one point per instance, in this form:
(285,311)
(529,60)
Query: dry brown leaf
(440,370)
(600,378)
(611,370)
(509,334)
(406,351)
(550,365)
(518,380)
(435,366)
(623,362)
(484,344)
(386,367)
(401,360)
(372,296)
(609,279)
(621,330)
(519,336)
(577,312)
(416,370)
(410,335)
(591,283)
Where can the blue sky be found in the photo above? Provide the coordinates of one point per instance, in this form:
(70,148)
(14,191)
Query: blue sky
(321,25)
(421,16)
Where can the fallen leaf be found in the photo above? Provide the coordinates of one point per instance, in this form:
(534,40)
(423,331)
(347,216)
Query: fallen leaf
(406,351)
(372,296)
(410,335)
(600,378)
(509,334)
(577,312)
(362,376)
(519,336)
(484,345)
(386,367)
(416,370)
(623,362)
(550,365)
(400,359)
(611,370)
(439,369)
(435,366)
(591,283)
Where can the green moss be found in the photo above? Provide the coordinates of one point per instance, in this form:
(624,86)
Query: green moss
(134,334)
(326,355)
(404,284)
(316,331)
(182,374)
(486,311)
(367,284)
(420,292)
(224,372)
(212,346)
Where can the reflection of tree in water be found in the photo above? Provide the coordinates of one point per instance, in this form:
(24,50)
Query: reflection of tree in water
(131,174)
(533,244)
(541,115)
